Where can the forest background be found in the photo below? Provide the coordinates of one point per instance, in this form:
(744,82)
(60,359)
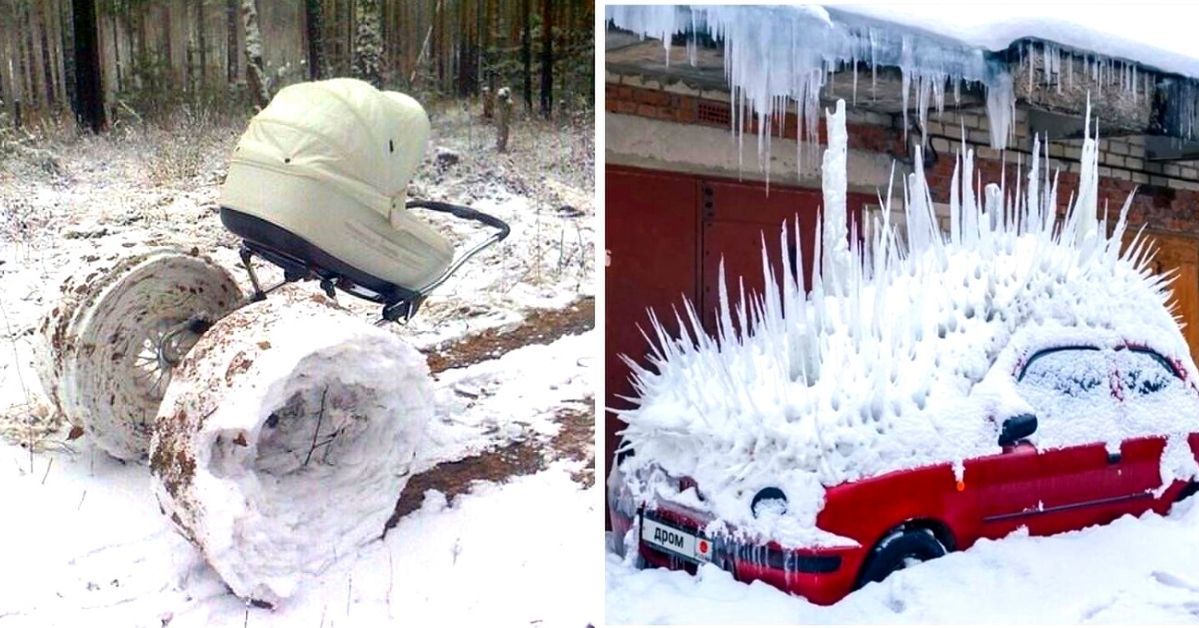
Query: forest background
(108,62)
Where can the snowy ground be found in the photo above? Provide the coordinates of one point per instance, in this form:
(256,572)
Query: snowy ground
(1135,570)
(85,529)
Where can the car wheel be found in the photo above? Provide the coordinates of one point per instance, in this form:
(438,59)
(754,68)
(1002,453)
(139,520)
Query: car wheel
(900,550)
(1190,490)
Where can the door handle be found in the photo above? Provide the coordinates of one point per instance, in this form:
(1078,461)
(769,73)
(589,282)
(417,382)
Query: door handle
(1114,458)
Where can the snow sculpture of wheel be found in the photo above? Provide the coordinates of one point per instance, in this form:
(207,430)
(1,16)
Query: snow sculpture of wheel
(104,362)
(285,439)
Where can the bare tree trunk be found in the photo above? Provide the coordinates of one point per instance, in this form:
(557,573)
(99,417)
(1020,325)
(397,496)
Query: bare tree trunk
(202,42)
(526,53)
(368,44)
(50,46)
(27,99)
(547,57)
(67,43)
(89,88)
(231,55)
(8,90)
(116,51)
(39,98)
(260,90)
(315,24)
(503,117)
(168,39)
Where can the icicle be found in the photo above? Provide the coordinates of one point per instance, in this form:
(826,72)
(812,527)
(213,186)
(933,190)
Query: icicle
(834,183)
(1031,70)
(1001,110)
(855,81)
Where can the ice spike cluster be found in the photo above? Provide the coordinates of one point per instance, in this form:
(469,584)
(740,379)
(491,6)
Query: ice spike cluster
(901,354)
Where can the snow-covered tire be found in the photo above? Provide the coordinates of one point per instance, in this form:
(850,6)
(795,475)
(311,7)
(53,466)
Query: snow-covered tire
(98,357)
(1187,492)
(285,439)
(897,550)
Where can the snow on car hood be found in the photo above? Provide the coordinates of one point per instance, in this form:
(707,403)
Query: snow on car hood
(899,356)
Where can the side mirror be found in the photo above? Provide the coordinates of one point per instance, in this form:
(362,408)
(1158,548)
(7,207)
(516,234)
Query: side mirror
(1017,427)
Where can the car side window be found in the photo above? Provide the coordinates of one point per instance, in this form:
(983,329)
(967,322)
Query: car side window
(1075,372)
(1151,394)
(1143,374)
(1070,391)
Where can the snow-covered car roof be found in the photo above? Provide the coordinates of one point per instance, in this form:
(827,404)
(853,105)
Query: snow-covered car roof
(901,356)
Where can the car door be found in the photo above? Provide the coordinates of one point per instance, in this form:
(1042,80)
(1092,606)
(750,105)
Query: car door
(1072,391)
(1152,397)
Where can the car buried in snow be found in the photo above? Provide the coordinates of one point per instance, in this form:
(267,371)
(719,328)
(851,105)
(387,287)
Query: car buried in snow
(1018,373)
(910,516)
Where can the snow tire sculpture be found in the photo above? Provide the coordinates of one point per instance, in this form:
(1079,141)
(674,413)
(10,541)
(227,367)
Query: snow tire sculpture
(274,454)
(100,360)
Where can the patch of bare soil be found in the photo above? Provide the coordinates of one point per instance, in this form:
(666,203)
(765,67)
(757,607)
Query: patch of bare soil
(575,438)
(574,441)
(539,327)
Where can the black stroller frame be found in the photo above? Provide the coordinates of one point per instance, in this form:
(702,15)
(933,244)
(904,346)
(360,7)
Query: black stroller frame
(301,261)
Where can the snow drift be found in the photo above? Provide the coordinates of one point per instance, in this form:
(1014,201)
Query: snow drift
(900,356)
(286,438)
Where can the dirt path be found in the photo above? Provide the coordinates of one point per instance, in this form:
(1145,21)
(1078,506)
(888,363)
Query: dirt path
(574,440)
(538,327)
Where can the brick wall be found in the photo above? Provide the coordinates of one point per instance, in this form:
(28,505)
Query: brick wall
(1167,197)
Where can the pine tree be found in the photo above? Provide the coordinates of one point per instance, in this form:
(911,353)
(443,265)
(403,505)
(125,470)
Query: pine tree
(315,25)
(89,90)
(368,43)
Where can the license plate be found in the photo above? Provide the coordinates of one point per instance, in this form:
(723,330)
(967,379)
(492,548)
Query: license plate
(681,543)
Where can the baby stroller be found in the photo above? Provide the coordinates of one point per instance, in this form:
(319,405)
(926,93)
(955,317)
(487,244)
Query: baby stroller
(318,184)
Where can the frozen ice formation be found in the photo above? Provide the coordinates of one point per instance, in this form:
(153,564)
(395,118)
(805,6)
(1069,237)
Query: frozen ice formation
(901,355)
(286,438)
(781,56)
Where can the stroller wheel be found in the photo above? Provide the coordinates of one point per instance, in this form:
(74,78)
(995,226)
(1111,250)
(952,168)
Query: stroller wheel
(113,341)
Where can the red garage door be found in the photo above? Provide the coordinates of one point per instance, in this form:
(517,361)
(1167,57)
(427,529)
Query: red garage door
(652,244)
(666,235)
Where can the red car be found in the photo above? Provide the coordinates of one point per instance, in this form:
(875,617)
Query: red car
(901,518)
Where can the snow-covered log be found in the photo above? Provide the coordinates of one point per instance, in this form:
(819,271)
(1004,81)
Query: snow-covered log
(285,439)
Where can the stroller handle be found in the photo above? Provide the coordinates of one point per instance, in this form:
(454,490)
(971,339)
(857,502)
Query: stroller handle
(465,213)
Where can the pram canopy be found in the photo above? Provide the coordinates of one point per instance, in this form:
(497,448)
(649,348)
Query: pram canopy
(321,175)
